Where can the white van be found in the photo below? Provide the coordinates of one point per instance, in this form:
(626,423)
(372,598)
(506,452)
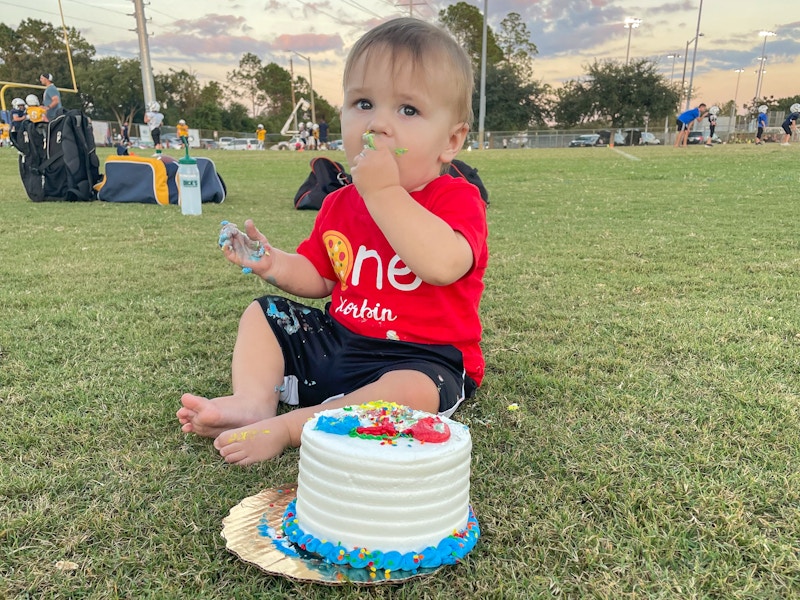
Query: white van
(242,144)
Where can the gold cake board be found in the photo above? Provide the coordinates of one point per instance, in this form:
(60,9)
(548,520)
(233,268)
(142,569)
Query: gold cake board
(253,531)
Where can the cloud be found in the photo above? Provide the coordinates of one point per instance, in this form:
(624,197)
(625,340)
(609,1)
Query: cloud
(208,46)
(211,25)
(308,42)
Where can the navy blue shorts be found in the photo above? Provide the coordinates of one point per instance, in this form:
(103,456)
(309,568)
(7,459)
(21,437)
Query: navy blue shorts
(681,125)
(325,360)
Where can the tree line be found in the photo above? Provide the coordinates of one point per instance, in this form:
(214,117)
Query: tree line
(610,94)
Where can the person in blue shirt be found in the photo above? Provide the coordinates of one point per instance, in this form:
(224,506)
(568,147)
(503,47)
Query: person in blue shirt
(51,100)
(761,122)
(684,123)
(790,124)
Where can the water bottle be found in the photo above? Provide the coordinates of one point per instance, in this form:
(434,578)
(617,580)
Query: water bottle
(189,186)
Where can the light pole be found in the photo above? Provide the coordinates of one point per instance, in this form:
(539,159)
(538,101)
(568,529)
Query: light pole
(482,99)
(672,72)
(759,77)
(763,59)
(734,110)
(762,72)
(694,56)
(310,84)
(630,25)
(685,56)
(673,56)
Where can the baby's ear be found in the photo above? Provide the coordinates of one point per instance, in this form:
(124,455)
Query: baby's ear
(455,142)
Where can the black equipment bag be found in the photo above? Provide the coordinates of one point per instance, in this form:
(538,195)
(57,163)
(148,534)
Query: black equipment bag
(326,176)
(458,168)
(57,160)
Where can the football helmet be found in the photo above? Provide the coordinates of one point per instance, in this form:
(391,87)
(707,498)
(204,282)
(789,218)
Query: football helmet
(795,107)
(31,100)
(17,103)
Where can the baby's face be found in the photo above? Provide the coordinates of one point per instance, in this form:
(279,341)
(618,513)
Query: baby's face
(407,108)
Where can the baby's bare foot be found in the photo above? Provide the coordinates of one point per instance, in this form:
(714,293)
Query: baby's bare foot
(201,416)
(210,417)
(253,443)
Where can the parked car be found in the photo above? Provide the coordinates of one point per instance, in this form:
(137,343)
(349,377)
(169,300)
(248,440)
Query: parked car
(242,144)
(649,139)
(224,142)
(294,143)
(336,145)
(588,140)
(619,137)
(630,137)
(138,142)
(171,140)
(696,137)
(208,143)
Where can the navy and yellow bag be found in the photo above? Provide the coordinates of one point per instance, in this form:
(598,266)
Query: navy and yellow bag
(152,180)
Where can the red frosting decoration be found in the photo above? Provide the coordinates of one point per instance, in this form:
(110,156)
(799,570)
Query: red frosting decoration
(429,429)
(383,428)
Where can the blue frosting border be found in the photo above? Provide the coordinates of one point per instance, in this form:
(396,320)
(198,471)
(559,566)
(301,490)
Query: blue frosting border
(448,551)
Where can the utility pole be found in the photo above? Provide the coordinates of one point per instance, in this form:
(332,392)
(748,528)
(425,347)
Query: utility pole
(148,84)
(411,4)
(694,56)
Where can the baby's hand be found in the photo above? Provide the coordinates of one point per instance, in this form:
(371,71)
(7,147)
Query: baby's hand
(375,168)
(239,248)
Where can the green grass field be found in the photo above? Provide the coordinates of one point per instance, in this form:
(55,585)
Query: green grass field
(641,309)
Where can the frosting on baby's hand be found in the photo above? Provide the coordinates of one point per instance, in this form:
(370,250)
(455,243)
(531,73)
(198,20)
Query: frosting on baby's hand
(233,239)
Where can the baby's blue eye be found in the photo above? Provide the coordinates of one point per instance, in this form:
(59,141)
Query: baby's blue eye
(409,111)
(363,104)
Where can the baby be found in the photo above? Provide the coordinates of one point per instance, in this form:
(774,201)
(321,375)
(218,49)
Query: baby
(401,253)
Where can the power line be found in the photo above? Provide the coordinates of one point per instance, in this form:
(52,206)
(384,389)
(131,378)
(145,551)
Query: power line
(336,18)
(67,17)
(95,6)
(359,7)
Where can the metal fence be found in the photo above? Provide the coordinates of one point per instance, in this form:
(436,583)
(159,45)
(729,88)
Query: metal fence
(742,131)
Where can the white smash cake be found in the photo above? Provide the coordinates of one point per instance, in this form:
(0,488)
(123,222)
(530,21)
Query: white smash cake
(383,487)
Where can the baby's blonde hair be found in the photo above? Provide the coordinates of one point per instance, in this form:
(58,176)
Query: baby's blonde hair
(420,41)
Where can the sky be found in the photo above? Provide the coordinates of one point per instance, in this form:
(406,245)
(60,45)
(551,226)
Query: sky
(208,37)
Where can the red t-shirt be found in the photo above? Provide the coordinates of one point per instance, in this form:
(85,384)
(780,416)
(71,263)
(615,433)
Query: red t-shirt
(378,296)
